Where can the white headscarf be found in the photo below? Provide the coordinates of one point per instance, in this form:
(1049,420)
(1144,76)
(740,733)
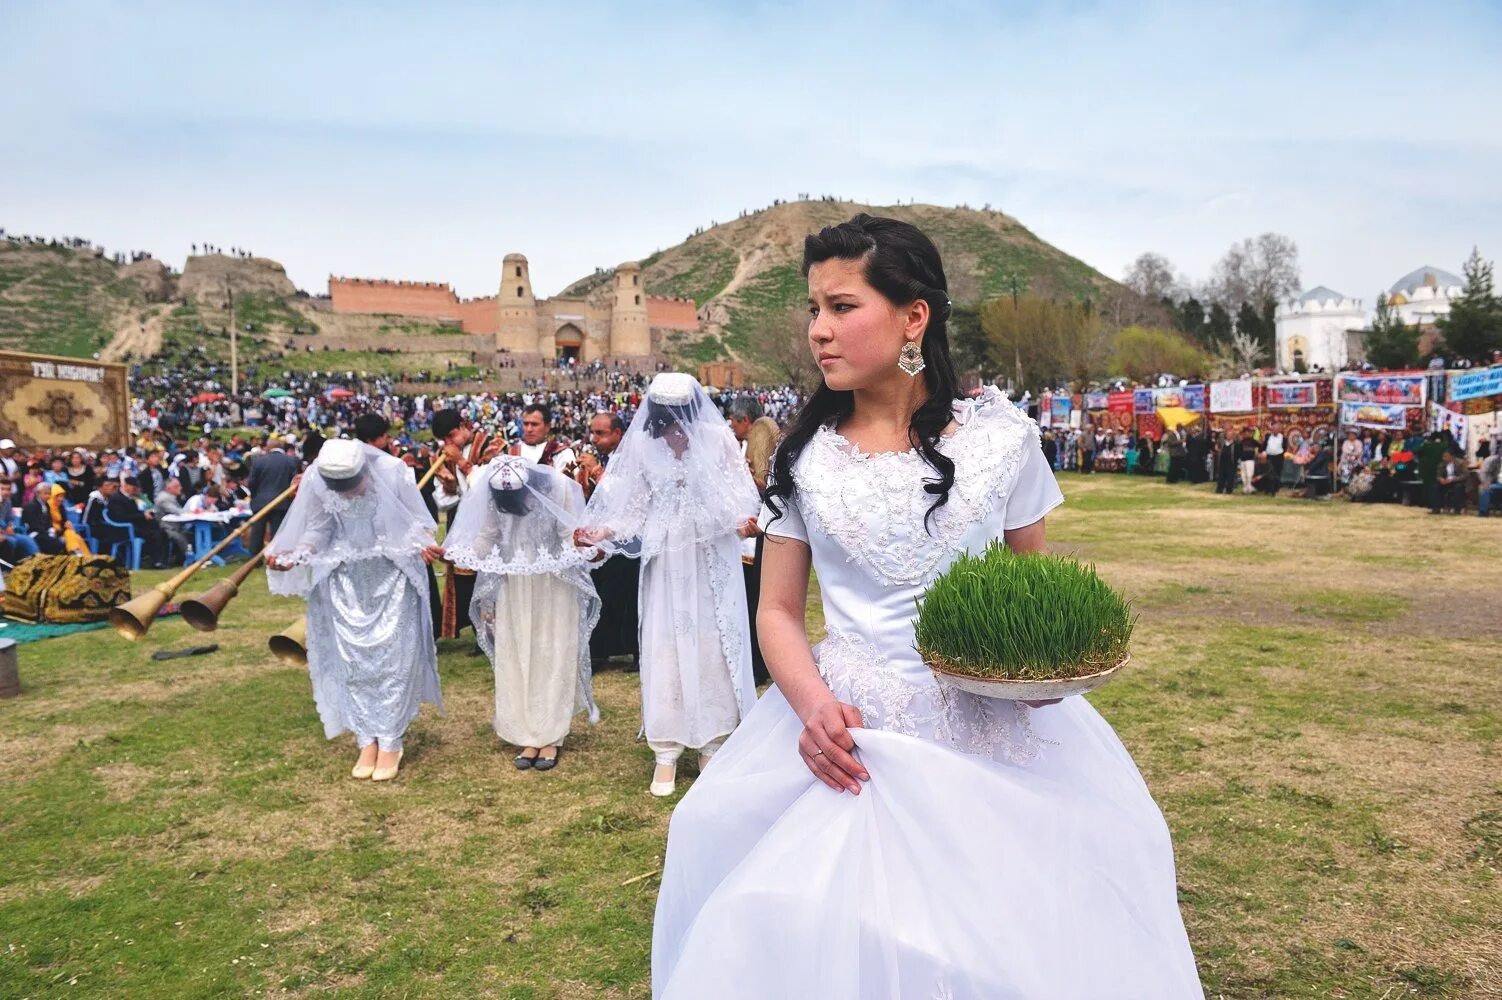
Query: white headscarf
(355,502)
(677,477)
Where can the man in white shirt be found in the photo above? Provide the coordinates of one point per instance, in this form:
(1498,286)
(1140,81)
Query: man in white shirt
(1273,448)
(537,443)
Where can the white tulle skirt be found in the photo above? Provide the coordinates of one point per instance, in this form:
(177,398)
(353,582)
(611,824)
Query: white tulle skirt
(950,877)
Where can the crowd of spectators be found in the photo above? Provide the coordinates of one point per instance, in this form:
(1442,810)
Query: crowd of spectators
(196,445)
(1366,466)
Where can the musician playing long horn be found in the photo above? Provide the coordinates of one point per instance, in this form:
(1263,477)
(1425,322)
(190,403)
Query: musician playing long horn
(465,450)
(353,543)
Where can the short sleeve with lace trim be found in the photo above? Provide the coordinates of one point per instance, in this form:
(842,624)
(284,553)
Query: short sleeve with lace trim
(789,525)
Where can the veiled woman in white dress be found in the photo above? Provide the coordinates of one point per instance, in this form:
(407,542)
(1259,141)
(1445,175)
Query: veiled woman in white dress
(534,603)
(679,496)
(353,543)
(868,832)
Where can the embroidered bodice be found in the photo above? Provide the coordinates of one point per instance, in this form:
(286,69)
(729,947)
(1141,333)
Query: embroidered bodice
(875,548)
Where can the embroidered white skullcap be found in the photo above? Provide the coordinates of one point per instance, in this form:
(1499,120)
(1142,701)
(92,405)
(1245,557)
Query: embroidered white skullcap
(672,388)
(510,473)
(340,459)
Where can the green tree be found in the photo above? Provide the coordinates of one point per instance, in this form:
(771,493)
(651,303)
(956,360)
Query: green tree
(967,342)
(1189,319)
(1257,324)
(1473,328)
(1143,353)
(1391,343)
(1217,324)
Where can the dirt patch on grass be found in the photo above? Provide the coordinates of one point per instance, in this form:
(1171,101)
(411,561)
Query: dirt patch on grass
(122,780)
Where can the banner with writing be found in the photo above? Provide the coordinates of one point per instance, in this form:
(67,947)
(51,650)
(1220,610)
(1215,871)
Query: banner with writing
(1381,416)
(1097,400)
(1234,396)
(1383,387)
(1144,401)
(58,402)
(1285,395)
(1477,382)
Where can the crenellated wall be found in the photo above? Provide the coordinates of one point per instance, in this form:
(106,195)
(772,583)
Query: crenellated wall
(669,313)
(619,321)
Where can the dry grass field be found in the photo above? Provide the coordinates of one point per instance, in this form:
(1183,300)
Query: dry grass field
(1315,700)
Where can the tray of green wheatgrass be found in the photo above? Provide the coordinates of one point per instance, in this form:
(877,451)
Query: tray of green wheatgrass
(1026,627)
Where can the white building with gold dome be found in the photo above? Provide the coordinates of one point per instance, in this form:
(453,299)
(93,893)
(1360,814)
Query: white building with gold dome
(1323,329)
(1423,295)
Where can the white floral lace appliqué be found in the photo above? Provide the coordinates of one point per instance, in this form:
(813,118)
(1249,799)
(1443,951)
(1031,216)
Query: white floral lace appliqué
(875,505)
(892,701)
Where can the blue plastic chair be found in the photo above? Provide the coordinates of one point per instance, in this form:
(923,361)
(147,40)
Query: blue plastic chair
(131,541)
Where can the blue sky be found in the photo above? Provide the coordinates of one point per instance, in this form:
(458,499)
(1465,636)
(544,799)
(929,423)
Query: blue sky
(427,141)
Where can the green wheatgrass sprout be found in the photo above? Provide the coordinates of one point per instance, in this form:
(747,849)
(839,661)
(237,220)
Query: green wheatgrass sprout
(1005,616)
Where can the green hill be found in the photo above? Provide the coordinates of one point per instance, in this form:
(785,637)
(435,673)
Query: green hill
(60,300)
(744,274)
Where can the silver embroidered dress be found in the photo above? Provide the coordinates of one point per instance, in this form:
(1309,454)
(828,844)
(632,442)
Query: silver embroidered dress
(357,558)
(997,851)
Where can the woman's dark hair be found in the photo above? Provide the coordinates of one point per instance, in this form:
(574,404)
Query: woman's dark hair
(903,265)
(663,416)
(336,485)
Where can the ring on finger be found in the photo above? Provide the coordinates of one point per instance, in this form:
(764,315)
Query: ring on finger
(817,753)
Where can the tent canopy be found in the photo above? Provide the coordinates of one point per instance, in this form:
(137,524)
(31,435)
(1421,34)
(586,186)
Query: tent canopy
(1177,416)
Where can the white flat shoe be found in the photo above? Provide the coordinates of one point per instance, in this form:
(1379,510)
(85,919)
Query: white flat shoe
(362,771)
(387,773)
(662,789)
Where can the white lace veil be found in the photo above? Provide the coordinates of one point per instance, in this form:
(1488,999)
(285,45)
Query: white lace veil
(677,476)
(518,519)
(376,512)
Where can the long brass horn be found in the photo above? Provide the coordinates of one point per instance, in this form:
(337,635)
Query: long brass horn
(291,644)
(135,616)
(202,612)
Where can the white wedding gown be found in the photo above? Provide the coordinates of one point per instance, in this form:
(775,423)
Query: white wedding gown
(997,852)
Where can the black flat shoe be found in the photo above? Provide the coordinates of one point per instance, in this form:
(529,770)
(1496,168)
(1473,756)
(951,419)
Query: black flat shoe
(548,763)
(523,763)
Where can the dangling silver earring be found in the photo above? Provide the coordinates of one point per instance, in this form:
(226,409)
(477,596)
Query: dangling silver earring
(911,358)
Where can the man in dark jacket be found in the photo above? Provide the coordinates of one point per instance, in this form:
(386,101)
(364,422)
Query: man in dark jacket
(152,477)
(119,504)
(271,472)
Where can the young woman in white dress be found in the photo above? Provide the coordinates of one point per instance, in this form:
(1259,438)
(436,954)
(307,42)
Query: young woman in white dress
(867,832)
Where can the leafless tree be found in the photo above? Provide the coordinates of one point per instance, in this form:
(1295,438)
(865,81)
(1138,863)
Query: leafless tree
(1257,271)
(1151,276)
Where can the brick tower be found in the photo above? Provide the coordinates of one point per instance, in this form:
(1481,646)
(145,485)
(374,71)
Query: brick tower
(630,333)
(516,327)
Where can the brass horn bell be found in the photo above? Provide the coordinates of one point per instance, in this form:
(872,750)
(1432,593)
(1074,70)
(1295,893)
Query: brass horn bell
(135,616)
(202,612)
(291,644)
